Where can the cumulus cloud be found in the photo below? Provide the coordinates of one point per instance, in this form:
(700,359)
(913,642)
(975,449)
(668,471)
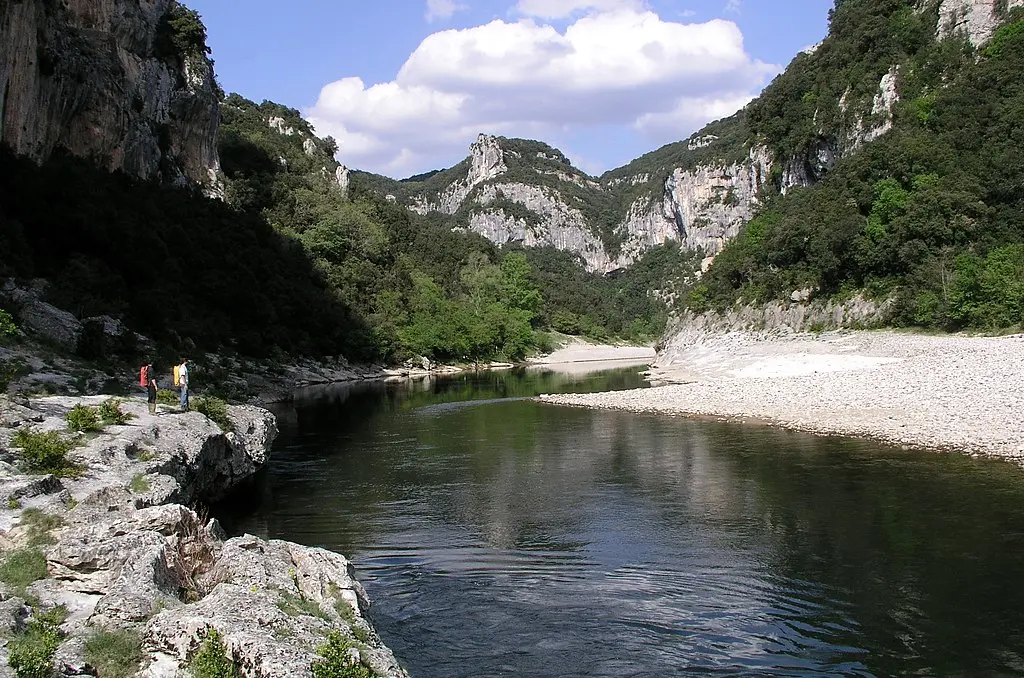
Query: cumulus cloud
(441,9)
(615,65)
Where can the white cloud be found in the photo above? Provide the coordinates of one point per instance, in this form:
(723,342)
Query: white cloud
(623,66)
(441,9)
(733,6)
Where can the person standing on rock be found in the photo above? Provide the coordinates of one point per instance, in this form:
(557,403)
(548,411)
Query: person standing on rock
(183,383)
(151,388)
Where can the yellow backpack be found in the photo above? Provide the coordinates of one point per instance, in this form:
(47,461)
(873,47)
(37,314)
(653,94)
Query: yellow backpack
(177,375)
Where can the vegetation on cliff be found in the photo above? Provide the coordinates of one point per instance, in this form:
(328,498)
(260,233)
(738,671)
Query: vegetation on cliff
(931,213)
(291,262)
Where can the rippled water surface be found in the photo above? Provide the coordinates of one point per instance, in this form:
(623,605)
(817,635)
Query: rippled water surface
(497,536)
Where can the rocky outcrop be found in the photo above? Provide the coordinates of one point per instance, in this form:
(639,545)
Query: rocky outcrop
(42,320)
(125,553)
(702,208)
(85,76)
(976,20)
(486,161)
(554,223)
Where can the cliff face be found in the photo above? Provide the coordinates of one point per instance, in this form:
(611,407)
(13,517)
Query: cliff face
(975,19)
(100,79)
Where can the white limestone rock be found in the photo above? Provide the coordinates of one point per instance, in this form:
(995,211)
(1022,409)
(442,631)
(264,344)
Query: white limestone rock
(976,20)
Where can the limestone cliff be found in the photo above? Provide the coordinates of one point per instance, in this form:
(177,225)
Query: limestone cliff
(107,80)
(975,19)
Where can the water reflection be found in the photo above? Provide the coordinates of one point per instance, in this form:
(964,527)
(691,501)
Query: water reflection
(510,537)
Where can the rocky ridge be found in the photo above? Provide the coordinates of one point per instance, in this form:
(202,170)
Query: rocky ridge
(89,77)
(124,552)
(701,200)
(698,192)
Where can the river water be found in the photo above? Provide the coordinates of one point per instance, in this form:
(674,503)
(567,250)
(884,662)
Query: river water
(497,536)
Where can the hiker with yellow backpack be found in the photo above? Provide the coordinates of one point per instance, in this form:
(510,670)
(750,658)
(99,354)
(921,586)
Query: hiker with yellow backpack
(181,381)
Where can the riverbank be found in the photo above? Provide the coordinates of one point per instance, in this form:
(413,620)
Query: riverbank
(107,550)
(946,392)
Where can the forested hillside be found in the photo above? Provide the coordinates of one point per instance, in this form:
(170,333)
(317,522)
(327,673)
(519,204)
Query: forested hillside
(296,262)
(931,213)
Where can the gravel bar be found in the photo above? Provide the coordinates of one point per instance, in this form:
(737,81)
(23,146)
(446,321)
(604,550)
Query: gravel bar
(942,392)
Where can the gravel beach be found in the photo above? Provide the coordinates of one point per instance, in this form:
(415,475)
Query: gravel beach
(950,392)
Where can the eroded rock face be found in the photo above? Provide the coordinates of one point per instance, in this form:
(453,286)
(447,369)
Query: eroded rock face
(558,224)
(702,208)
(486,161)
(126,554)
(84,76)
(977,20)
(690,330)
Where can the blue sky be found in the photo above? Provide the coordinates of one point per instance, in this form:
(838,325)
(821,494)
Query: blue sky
(405,85)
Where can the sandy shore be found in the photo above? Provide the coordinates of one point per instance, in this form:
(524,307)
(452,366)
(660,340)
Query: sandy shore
(581,351)
(964,393)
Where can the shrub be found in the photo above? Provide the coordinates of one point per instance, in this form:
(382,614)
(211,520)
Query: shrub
(336,661)
(216,409)
(30,653)
(212,660)
(82,418)
(22,567)
(166,396)
(115,654)
(45,452)
(7,326)
(111,413)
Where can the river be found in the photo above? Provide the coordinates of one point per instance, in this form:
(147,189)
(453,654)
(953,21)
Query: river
(497,536)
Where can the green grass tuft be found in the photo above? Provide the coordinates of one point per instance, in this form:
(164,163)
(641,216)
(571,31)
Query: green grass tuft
(294,606)
(40,525)
(115,654)
(139,484)
(22,567)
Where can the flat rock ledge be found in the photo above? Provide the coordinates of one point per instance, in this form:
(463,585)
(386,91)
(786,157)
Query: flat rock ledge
(125,552)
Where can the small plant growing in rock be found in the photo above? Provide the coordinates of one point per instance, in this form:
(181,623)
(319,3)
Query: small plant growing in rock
(212,660)
(348,614)
(216,410)
(111,413)
(40,526)
(297,605)
(139,484)
(22,567)
(45,452)
(166,396)
(30,652)
(336,660)
(115,654)
(7,326)
(83,419)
